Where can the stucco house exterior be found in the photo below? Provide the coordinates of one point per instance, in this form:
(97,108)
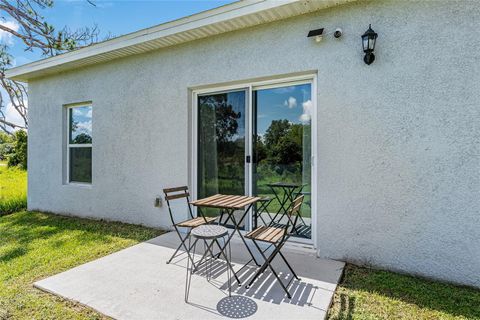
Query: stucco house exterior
(389,151)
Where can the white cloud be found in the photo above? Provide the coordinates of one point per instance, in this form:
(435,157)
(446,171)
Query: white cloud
(6,37)
(82,112)
(11,115)
(290,103)
(84,127)
(307,112)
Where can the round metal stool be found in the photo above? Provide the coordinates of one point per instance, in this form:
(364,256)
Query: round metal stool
(210,234)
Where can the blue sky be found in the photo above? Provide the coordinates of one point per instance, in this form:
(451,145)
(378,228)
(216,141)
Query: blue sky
(292,103)
(118,17)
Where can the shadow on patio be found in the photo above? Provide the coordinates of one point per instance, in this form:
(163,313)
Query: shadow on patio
(136,283)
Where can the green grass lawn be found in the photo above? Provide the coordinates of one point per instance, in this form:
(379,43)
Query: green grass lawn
(36,245)
(373,294)
(13,189)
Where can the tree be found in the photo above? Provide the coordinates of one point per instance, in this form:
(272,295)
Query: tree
(5,138)
(6,145)
(283,144)
(82,138)
(19,155)
(218,112)
(277,129)
(289,148)
(36,34)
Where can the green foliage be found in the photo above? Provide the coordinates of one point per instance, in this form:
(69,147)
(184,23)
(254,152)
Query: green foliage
(82,138)
(375,294)
(277,130)
(219,115)
(36,245)
(219,140)
(6,146)
(5,138)
(5,150)
(283,145)
(18,157)
(13,189)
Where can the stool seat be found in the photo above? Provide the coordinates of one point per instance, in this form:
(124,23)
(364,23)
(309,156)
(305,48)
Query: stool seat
(209,231)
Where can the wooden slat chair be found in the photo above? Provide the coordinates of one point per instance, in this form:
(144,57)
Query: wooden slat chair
(179,193)
(276,237)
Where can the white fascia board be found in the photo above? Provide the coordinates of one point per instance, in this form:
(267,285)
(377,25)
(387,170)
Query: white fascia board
(221,14)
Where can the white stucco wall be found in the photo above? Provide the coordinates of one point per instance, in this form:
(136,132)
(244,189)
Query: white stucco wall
(398,141)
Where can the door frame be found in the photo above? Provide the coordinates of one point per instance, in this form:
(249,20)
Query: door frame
(249,86)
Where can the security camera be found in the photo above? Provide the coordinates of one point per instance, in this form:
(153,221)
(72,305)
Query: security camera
(338,33)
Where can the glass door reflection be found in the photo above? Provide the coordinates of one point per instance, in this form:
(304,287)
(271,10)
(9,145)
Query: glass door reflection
(221,145)
(282,153)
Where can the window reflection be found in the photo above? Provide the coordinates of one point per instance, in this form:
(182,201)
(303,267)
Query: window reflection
(81,125)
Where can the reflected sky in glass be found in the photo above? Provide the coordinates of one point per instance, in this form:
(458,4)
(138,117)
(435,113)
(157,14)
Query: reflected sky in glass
(292,103)
(81,124)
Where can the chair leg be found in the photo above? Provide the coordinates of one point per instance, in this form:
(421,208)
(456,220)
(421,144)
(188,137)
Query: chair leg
(182,243)
(204,257)
(263,208)
(263,267)
(182,240)
(247,263)
(268,264)
(188,279)
(280,280)
(288,265)
(228,261)
(221,217)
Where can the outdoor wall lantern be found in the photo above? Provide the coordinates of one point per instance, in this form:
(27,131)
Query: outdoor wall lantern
(317,33)
(368,41)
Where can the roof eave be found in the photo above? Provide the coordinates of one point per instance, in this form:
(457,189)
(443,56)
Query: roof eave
(227,18)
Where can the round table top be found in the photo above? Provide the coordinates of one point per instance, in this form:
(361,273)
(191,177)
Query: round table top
(209,231)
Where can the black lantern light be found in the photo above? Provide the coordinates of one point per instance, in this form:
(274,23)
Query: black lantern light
(368,42)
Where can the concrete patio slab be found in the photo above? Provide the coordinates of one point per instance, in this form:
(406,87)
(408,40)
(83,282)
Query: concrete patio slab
(136,283)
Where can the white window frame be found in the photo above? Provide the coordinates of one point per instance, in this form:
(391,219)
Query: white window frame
(250,86)
(73,145)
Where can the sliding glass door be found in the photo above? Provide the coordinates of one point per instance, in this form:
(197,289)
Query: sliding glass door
(221,144)
(257,141)
(282,153)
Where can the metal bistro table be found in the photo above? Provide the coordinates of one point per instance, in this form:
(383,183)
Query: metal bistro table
(290,192)
(228,204)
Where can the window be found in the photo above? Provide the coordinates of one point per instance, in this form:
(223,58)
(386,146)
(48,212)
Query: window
(79,144)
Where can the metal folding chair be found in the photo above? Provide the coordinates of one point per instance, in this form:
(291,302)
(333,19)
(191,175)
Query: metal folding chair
(277,238)
(261,209)
(179,193)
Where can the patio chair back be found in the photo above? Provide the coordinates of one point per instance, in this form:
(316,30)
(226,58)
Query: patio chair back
(174,194)
(293,212)
(295,206)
